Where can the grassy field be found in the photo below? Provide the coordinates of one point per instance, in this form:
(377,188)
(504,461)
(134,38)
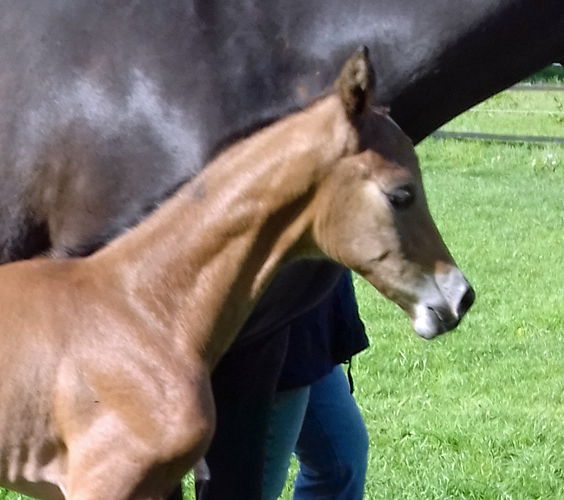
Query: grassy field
(478,413)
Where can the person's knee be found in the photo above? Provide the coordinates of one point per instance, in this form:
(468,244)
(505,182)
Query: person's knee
(342,479)
(352,455)
(358,449)
(353,460)
(340,470)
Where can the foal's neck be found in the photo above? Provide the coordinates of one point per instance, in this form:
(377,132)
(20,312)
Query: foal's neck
(200,263)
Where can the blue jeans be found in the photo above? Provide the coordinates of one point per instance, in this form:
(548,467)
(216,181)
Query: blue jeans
(323,426)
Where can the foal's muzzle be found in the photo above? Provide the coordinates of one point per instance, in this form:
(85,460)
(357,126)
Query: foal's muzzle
(443,302)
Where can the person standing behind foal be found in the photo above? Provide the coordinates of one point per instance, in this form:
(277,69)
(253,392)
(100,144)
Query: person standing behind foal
(314,413)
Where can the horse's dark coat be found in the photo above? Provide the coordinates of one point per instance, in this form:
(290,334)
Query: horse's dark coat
(107,106)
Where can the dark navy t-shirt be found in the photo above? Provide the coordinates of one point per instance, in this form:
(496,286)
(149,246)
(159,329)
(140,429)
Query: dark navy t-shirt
(324,337)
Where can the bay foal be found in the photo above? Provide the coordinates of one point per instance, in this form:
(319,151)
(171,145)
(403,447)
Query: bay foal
(106,360)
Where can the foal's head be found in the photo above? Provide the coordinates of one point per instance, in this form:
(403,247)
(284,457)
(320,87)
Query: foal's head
(373,217)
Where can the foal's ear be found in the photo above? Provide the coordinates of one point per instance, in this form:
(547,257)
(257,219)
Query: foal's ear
(356,83)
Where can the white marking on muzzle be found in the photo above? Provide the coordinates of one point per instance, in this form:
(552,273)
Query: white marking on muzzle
(439,307)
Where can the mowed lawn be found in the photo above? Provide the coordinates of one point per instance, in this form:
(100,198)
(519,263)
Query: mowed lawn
(479,412)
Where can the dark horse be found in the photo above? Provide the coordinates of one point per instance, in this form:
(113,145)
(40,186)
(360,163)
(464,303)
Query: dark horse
(107,106)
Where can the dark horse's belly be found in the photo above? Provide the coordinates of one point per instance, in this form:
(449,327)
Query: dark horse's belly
(107,107)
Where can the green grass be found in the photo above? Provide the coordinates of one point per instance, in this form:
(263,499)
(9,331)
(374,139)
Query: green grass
(479,412)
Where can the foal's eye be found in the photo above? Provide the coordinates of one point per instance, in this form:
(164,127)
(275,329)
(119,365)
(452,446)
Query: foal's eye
(401,196)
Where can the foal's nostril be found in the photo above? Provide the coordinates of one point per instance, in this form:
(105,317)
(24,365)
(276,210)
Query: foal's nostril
(466,302)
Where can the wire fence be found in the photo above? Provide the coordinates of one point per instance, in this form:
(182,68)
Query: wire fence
(510,138)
